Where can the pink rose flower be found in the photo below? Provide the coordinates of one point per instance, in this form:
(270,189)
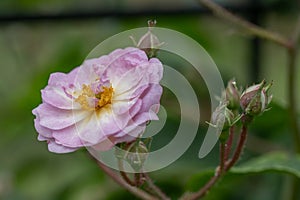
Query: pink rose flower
(105,101)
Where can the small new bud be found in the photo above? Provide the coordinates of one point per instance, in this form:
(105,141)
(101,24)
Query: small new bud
(149,42)
(232,95)
(134,153)
(255,99)
(222,118)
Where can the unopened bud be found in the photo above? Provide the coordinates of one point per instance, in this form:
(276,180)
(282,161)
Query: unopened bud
(222,118)
(149,42)
(135,154)
(232,95)
(255,99)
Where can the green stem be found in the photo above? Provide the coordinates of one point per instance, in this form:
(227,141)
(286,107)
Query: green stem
(154,188)
(228,144)
(124,174)
(219,173)
(222,157)
(239,149)
(134,190)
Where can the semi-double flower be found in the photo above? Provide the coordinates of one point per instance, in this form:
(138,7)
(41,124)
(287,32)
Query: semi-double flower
(105,101)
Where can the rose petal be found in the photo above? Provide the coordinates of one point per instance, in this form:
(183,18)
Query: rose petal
(57,97)
(55,118)
(151,96)
(57,148)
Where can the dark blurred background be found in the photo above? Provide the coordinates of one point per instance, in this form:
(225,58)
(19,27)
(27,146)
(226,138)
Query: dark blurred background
(38,37)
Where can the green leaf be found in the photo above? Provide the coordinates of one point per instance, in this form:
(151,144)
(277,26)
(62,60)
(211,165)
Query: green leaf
(276,161)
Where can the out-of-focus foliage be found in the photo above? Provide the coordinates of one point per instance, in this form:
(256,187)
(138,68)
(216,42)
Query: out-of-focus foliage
(30,51)
(277,161)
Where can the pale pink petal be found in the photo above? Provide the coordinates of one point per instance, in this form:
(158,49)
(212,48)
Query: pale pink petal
(57,148)
(68,137)
(123,60)
(90,130)
(120,107)
(132,130)
(104,145)
(55,118)
(46,132)
(63,79)
(57,97)
(42,138)
(40,129)
(151,97)
(155,70)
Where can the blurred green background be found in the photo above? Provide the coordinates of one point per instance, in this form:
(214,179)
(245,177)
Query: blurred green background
(32,49)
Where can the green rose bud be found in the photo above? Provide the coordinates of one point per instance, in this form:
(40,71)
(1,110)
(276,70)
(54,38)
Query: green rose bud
(255,99)
(135,153)
(222,119)
(149,42)
(232,95)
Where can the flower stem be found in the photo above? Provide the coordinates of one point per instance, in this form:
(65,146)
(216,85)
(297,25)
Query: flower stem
(204,190)
(222,156)
(124,175)
(134,190)
(154,188)
(239,149)
(219,172)
(228,144)
(251,28)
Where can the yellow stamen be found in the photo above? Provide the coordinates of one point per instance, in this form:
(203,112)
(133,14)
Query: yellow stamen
(104,97)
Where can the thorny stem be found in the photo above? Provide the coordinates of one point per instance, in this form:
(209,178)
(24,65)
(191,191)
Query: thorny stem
(154,188)
(204,190)
(222,157)
(290,45)
(124,175)
(249,27)
(138,181)
(228,144)
(239,149)
(218,174)
(134,190)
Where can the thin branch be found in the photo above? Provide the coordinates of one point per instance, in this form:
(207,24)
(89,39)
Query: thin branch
(218,174)
(239,149)
(296,33)
(251,28)
(154,188)
(222,157)
(229,142)
(124,174)
(134,190)
(204,190)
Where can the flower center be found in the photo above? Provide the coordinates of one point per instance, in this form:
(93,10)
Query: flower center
(104,97)
(91,101)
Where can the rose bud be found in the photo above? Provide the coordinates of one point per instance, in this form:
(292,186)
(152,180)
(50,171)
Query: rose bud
(222,119)
(232,95)
(135,153)
(255,99)
(149,42)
